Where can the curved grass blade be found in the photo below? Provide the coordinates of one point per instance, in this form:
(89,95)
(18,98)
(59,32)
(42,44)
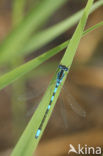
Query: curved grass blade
(44,37)
(27,143)
(13,44)
(18,37)
(18,109)
(18,10)
(15,74)
(74,42)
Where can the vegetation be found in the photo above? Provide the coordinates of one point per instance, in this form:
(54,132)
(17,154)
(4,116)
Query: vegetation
(20,42)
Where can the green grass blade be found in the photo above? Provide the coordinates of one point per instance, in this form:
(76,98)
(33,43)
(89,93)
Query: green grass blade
(18,109)
(44,37)
(70,52)
(18,10)
(93,27)
(27,143)
(13,75)
(17,38)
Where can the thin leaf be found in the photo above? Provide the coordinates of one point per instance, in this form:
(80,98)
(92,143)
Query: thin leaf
(13,75)
(18,10)
(44,37)
(17,38)
(18,109)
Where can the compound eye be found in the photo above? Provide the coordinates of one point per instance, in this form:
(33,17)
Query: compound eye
(66,69)
(60,67)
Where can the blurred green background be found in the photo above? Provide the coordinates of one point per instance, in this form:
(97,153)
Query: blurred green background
(84,82)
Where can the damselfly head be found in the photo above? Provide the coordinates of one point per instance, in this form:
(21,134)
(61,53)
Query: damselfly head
(63,67)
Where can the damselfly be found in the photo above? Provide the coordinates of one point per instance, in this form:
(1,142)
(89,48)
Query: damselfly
(59,78)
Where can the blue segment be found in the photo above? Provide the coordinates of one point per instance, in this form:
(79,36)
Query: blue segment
(57,84)
(58,77)
(49,106)
(63,76)
(60,81)
(66,69)
(52,98)
(55,90)
(37,133)
(60,67)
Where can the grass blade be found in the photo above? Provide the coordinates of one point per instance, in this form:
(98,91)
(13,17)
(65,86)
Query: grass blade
(18,109)
(15,74)
(27,143)
(44,37)
(71,49)
(18,10)
(17,38)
